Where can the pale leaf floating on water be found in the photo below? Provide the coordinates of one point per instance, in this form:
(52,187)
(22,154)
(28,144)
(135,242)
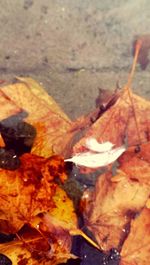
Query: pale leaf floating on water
(104,155)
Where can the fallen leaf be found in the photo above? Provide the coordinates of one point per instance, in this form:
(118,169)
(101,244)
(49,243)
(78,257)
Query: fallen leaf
(111,206)
(30,196)
(29,190)
(126,121)
(34,248)
(118,123)
(136,248)
(53,127)
(102,156)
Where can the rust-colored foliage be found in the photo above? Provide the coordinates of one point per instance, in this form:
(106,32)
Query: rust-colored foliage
(29,190)
(25,194)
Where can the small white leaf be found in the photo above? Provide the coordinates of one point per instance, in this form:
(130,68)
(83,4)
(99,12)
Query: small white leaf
(92,144)
(95,160)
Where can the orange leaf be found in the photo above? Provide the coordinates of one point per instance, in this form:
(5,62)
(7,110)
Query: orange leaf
(54,129)
(29,190)
(30,196)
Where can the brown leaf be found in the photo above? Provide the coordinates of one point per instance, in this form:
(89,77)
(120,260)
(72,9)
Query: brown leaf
(118,123)
(111,205)
(136,249)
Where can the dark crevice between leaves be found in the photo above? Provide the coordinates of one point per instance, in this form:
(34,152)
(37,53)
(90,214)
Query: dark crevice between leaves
(78,182)
(85,252)
(8,159)
(18,137)
(4,238)
(4,260)
(105,100)
(89,255)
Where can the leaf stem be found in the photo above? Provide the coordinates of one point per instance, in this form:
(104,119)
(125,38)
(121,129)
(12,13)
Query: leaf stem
(88,239)
(128,85)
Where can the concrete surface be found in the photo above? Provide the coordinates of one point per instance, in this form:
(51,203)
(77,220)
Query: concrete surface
(73,47)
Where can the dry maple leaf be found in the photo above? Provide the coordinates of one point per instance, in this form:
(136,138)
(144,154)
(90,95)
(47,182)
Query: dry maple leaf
(136,249)
(54,129)
(110,207)
(126,121)
(29,190)
(118,123)
(30,195)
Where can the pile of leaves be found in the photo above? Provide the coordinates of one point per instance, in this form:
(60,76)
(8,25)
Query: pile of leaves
(37,216)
